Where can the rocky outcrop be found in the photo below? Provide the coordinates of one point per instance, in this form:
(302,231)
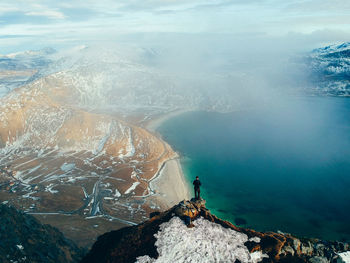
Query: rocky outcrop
(126,244)
(190,209)
(24,239)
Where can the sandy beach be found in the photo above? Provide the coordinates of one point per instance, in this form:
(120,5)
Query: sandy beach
(170,185)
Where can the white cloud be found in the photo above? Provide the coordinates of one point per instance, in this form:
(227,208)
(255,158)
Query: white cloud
(108,19)
(6,9)
(47,13)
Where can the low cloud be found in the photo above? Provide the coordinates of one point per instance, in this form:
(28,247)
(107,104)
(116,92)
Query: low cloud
(47,13)
(106,20)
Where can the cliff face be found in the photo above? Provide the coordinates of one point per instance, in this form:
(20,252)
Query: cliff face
(24,239)
(165,238)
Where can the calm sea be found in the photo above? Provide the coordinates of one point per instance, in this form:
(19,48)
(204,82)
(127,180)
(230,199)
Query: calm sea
(285,167)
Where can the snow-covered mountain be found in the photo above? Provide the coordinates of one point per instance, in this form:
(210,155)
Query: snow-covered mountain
(32,59)
(132,79)
(128,79)
(63,154)
(19,68)
(330,70)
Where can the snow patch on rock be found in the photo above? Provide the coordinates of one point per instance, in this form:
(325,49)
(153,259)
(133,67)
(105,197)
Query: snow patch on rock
(344,257)
(66,167)
(132,188)
(206,242)
(117,193)
(20,247)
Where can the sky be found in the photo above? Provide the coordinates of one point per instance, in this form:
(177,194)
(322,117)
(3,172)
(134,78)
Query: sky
(33,24)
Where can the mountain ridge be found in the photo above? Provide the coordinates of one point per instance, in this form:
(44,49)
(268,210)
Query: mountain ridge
(139,243)
(329,70)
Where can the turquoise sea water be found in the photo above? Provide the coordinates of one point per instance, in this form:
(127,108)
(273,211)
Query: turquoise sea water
(286,168)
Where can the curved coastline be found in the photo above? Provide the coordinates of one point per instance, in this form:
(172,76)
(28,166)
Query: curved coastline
(169,184)
(263,212)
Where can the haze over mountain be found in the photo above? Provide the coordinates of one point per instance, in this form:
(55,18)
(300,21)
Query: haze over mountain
(81,83)
(72,135)
(60,158)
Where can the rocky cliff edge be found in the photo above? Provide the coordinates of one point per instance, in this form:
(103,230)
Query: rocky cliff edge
(188,232)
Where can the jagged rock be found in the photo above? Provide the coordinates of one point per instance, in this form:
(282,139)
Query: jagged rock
(25,239)
(126,244)
(307,248)
(319,260)
(320,249)
(154,214)
(287,250)
(198,202)
(296,245)
(189,208)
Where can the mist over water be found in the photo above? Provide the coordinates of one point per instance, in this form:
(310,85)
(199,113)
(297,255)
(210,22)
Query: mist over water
(283,167)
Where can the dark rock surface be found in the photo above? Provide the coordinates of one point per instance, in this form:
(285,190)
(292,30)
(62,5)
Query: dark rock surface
(126,244)
(25,239)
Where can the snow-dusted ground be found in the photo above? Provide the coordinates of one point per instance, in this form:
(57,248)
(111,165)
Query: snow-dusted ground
(344,257)
(132,188)
(206,242)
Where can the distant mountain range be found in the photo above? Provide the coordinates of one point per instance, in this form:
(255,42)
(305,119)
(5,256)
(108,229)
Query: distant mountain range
(329,70)
(18,69)
(122,79)
(133,77)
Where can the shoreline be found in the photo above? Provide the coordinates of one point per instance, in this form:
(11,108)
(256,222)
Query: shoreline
(169,185)
(153,124)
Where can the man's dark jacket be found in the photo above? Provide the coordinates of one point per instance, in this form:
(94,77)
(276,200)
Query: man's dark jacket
(197,184)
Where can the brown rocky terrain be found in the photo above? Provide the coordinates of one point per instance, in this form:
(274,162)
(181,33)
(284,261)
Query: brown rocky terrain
(73,167)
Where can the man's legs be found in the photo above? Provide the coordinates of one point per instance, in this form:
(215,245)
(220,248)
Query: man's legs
(197,193)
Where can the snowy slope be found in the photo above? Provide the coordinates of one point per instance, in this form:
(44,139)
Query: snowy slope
(206,242)
(18,69)
(125,80)
(122,79)
(330,70)
(32,59)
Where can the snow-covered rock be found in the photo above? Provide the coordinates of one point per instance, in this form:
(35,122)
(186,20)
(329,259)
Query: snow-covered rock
(344,257)
(21,68)
(206,242)
(166,238)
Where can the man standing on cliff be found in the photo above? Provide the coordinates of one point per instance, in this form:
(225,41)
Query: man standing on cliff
(197,190)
